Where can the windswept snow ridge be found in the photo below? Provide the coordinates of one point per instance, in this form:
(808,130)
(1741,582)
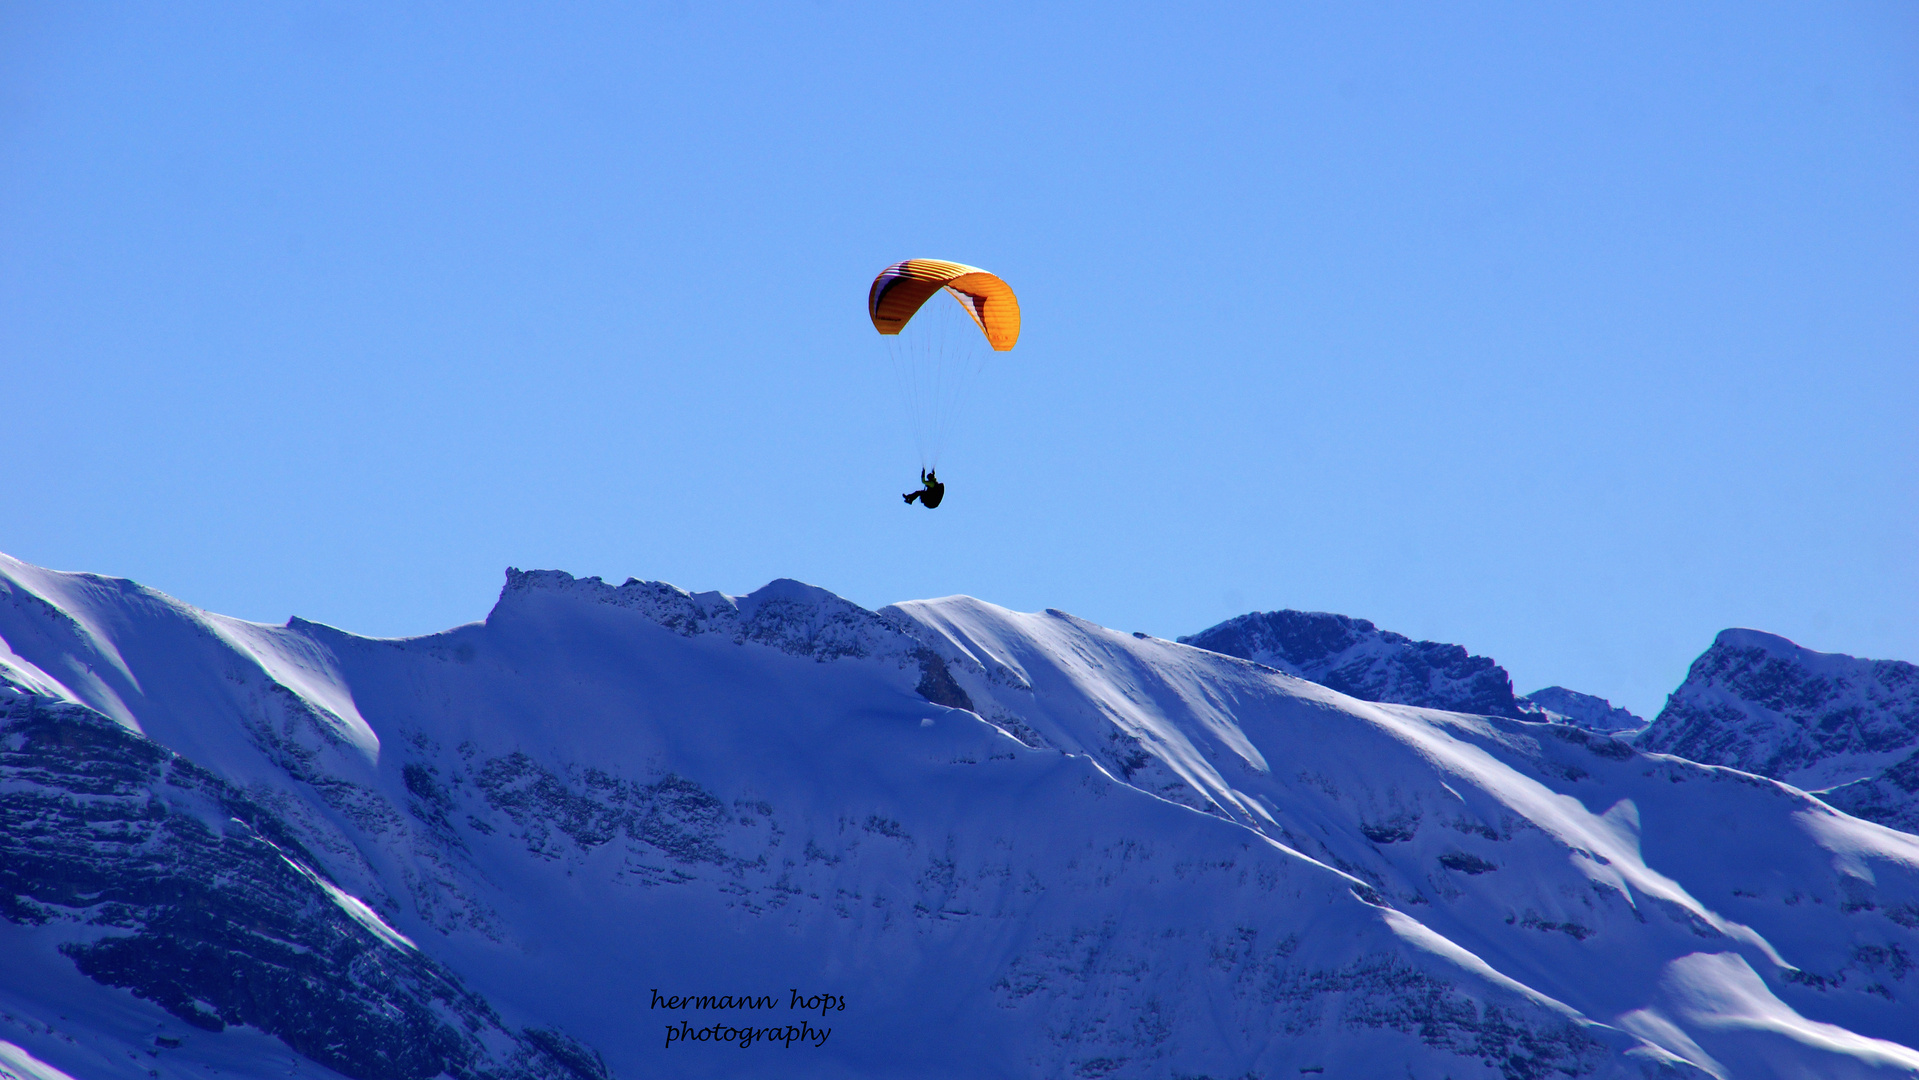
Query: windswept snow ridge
(968,841)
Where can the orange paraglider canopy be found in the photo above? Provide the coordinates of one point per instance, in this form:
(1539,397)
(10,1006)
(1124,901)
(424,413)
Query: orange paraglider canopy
(903,287)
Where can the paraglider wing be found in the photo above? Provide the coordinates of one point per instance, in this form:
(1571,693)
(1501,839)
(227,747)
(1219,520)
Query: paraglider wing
(902,288)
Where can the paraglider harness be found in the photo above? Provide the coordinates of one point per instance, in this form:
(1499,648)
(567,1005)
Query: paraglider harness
(931,490)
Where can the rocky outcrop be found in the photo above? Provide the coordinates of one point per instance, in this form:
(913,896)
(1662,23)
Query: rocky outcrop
(1890,798)
(1820,721)
(1357,658)
(202,901)
(1563,706)
(791,616)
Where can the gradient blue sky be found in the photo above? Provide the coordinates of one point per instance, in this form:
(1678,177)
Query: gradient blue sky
(1572,333)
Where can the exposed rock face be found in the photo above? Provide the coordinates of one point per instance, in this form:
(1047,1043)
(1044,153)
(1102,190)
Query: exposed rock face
(791,616)
(1558,704)
(1890,798)
(1357,658)
(1820,721)
(205,904)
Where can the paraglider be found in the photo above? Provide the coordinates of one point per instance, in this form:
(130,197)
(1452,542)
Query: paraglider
(930,493)
(933,354)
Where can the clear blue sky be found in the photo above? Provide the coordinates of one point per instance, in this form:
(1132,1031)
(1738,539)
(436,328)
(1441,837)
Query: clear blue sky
(1572,333)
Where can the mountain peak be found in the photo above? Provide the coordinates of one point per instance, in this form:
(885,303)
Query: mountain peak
(1356,658)
(1759,702)
(1737,637)
(1583,710)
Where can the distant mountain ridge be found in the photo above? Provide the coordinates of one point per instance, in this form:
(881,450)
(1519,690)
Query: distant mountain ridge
(1845,727)
(1826,722)
(1355,657)
(1581,710)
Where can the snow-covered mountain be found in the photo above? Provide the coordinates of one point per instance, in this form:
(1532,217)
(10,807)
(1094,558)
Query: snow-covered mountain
(1561,705)
(585,836)
(1826,722)
(1359,659)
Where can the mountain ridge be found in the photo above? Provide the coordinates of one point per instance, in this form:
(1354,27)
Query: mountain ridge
(1357,658)
(642,786)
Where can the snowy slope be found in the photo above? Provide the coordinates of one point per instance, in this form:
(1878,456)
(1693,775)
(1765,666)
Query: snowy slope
(1823,721)
(482,852)
(1568,861)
